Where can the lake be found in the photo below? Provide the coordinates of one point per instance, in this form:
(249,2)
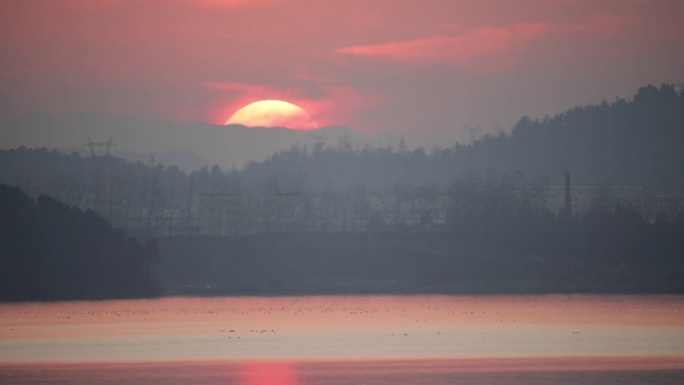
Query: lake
(397,339)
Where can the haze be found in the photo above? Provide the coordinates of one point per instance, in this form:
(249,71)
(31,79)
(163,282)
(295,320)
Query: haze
(418,69)
(409,191)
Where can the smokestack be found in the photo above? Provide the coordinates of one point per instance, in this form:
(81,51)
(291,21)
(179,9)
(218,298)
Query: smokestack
(568,198)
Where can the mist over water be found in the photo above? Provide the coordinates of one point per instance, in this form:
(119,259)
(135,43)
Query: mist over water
(553,339)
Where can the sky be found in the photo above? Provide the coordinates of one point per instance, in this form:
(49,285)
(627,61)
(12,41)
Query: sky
(419,68)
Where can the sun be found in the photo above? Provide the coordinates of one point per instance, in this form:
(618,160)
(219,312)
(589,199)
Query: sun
(273,113)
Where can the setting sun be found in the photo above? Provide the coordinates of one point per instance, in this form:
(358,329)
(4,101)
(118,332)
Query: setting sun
(273,113)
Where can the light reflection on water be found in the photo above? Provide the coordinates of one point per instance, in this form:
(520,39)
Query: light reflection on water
(564,371)
(346,340)
(269,373)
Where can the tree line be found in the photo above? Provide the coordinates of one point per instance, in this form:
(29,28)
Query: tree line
(498,225)
(51,251)
(627,141)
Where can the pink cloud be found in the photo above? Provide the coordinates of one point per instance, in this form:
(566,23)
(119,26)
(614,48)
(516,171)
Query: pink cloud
(605,24)
(150,57)
(463,49)
(498,49)
(229,3)
(342,105)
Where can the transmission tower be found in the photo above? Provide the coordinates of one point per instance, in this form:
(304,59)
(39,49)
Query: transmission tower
(471,131)
(102,188)
(96,148)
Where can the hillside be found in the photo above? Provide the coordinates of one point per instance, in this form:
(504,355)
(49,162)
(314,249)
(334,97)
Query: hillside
(54,252)
(637,141)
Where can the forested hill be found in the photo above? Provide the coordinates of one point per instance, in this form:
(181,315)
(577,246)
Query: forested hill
(53,252)
(637,141)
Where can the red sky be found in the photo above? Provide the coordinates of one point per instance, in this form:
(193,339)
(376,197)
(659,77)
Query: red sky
(420,68)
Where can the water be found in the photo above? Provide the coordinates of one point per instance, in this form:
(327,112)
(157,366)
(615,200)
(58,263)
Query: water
(346,340)
(432,372)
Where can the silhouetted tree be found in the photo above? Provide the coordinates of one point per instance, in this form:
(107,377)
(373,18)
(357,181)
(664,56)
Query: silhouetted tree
(52,251)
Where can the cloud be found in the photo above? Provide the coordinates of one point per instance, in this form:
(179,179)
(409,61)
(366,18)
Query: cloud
(496,49)
(463,49)
(228,3)
(343,105)
(256,91)
(605,24)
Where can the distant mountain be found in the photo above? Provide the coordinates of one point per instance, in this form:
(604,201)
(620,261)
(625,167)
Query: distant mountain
(635,141)
(190,146)
(638,141)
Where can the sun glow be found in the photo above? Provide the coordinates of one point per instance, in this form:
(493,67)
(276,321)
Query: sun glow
(273,113)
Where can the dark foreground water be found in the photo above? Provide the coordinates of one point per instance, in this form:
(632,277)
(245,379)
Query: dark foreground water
(372,340)
(432,372)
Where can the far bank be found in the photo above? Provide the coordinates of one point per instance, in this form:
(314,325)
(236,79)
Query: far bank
(396,262)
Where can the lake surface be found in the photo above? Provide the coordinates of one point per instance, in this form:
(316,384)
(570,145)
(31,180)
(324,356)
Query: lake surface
(554,339)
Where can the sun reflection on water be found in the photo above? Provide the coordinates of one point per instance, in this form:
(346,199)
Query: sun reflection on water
(268,373)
